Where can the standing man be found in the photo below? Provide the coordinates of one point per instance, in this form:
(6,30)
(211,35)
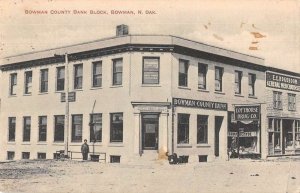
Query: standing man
(85,150)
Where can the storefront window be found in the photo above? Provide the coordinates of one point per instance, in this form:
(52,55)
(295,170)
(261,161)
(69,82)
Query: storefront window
(202,122)
(76,128)
(116,127)
(96,127)
(59,128)
(183,129)
(297,134)
(277,141)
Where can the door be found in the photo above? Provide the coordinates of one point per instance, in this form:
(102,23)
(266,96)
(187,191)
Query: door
(218,124)
(150,131)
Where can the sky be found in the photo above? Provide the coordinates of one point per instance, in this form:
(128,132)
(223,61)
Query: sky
(266,28)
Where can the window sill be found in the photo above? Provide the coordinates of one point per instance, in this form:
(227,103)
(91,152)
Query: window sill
(61,143)
(60,91)
(253,97)
(292,110)
(96,88)
(26,143)
(42,143)
(43,93)
(27,94)
(184,145)
(77,89)
(202,90)
(112,144)
(219,92)
(203,145)
(116,86)
(150,85)
(183,87)
(11,96)
(11,142)
(238,95)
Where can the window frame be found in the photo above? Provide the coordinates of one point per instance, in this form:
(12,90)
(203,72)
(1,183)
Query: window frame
(114,73)
(44,83)
(56,128)
(220,80)
(204,72)
(294,102)
(205,129)
(26,129)
(13,84)
(78,78)
(157,71)
(277,101)
(78,138)
(184,75)
(94,73)
(60,80)
(11,126)
(186,132)
(238,75)
(27,83)
(113,129)
(251,83)
(42,126)
(92,127)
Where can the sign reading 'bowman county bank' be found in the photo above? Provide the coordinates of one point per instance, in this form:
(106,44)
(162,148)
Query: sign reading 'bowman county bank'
(199,104)
(280,81)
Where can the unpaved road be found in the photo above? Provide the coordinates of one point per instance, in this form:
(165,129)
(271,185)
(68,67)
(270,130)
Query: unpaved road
(277,176)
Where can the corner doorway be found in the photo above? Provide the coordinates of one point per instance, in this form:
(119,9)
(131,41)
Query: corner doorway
(150,131)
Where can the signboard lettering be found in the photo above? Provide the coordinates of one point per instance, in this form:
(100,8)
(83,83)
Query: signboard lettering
(274,80)
(199,104)
(247,112)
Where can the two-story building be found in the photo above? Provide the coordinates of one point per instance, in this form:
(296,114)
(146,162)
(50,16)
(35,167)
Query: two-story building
(132,97)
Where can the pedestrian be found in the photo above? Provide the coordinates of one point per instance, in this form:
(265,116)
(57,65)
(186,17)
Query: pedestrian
(85,150)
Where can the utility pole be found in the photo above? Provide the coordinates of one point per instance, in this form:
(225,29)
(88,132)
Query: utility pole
(66,136)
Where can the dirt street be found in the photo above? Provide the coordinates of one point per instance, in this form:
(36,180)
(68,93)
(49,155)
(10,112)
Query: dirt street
(281,175)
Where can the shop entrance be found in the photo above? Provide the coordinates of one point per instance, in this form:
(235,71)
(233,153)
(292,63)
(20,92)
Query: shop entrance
(218,124)
(287,132)
(150,131)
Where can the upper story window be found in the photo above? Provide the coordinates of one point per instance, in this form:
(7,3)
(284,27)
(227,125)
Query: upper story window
(44,80)
(238,82)
(251,82)
(150,70)
(291,102)
(78,76)
(13,84)
(116,127)
(117,71)
(183,129)
(28,82)
(218,78)
(60,78)
(202,71)
(277,100)
(97,74)
(183,73)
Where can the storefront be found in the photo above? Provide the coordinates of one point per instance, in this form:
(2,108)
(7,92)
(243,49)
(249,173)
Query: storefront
(244,131)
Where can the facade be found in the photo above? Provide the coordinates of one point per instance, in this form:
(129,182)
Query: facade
(133,97)
(283,113)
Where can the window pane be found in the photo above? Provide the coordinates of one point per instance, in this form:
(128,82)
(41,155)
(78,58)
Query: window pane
(151,71)
(202,70)
(183,129)
(59,128)
(26,128)
(96,127)
(77,128)
(12,128)
(116,130)
(42,128)
(202,123)
(117,71)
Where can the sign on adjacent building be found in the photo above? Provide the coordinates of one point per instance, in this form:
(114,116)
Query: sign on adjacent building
(280,81)
(199,104)
(246,112)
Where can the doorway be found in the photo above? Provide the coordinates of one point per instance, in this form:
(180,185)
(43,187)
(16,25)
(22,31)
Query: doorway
(218,124)
(150,131)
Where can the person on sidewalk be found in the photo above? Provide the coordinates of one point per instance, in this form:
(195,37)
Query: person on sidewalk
(85,150)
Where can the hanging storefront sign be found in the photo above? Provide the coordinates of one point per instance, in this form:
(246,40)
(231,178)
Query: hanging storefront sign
(247,112)
(199,104)
(243,134)
(275,80)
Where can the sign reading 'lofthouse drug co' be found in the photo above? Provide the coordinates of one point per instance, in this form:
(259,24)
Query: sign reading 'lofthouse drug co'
(247,113)
(199,104)
(280,81)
